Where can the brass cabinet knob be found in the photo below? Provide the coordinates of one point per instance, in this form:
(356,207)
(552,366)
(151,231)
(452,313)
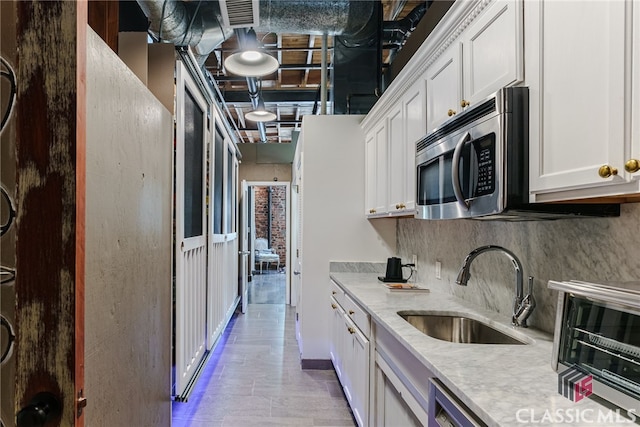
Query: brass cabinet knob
(372,211)
(632,166)
(351,312)
(606,171)
(397,206)
(450,113)
(333,292)
(402,206)
(334,306)
(464,103)
(351,330)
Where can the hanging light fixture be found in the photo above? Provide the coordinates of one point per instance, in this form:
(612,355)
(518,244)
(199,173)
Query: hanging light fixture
(251,61)
(260,114)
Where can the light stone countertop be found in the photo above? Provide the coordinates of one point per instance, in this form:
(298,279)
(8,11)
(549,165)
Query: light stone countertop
(504,385)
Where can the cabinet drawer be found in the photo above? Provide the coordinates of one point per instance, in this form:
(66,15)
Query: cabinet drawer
(358,315)
(337,292)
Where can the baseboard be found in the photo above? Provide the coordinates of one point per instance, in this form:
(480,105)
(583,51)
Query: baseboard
(318,364)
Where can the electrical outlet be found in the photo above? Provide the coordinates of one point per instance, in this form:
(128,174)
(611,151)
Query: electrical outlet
(438,270)
(414,261)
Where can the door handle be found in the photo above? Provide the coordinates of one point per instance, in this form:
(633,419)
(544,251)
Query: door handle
(455,170)
(297,273)
(244,252)
(43,408)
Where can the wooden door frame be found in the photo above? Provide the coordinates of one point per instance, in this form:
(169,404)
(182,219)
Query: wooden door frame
(287,186)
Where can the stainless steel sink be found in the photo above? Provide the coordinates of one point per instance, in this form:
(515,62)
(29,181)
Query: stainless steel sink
(458,329)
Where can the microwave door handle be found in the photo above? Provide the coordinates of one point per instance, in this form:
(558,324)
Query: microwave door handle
(455,168)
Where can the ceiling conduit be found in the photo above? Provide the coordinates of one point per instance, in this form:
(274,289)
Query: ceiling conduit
(199,25)
(254,93)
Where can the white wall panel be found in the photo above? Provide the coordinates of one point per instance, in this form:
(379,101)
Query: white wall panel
(128,247)
(334,227)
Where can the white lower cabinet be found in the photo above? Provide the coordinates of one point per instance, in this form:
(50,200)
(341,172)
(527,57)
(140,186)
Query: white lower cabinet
(356,371)
(401,388)
(391,405)
(349,351)
(336,345)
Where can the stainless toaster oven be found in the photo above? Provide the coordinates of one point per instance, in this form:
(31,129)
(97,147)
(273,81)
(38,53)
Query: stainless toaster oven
(597,334)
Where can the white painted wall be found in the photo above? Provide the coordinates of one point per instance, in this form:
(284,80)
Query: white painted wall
(334,227)
(251,171)
(128,247)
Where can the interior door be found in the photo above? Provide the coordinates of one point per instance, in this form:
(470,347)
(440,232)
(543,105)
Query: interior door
(43,185)
(191,237)
(252,228)
(296,238)
(244,245)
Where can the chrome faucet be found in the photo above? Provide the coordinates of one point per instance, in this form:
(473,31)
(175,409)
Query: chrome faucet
(523,304)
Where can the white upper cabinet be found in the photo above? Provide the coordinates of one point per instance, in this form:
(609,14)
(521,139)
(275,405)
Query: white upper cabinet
(413,105)
(476,49)
(406,127)
(391,153)
(486,56)
(376,170)
(370,173)
(492,51)
(582,69)
(444,86)
(381,169)
(397,155)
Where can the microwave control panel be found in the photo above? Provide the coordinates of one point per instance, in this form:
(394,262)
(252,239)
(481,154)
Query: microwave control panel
(485,149)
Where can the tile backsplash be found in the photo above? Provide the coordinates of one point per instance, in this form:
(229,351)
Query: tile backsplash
(589,249)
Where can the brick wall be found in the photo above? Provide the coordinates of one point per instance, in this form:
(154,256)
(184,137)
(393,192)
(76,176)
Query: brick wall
(278,218)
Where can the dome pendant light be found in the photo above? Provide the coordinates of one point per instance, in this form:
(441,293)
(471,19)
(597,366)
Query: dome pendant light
(251,61)
(260,114)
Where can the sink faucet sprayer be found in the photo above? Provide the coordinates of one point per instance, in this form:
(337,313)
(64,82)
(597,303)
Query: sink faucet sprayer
(523,305)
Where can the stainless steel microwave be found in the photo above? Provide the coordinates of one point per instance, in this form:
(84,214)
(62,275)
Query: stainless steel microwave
(476,165)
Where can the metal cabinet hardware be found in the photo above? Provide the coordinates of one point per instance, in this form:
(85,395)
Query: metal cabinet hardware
(606,171)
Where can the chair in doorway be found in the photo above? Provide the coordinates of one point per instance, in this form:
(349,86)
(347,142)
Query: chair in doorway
(265,254)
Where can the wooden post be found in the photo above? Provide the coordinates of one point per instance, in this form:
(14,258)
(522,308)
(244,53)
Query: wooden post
(50,177)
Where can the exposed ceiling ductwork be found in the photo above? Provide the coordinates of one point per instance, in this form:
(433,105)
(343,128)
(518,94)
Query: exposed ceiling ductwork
(195,24)
(201,25)
(205,25)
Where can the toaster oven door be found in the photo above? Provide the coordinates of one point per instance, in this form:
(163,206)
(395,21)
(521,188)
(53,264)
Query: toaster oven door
(602,339)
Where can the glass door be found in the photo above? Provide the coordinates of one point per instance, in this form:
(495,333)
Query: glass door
(604,341)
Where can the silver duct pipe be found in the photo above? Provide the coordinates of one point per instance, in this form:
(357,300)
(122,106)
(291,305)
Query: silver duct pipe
(198,27)
(187,24)
(254,95)
(252,85)
(333,17)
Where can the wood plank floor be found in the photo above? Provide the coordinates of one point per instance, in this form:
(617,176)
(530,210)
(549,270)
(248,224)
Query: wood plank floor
(254,376)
